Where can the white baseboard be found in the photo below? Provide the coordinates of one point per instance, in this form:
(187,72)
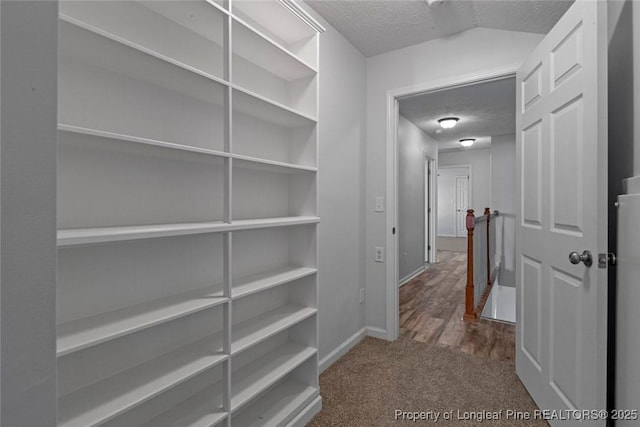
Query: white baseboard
(410,276)
(348,344)
(631,185)
(376,333)
(341,350)
(307,414)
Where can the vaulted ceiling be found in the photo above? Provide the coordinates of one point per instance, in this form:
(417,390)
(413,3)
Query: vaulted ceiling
(379,26)
(485,110)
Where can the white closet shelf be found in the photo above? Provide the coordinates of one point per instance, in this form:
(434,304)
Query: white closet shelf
(217,6)
(266,371)
(248,162)
(105,400)
(264,326)
(84,236)
(113,52)
(196,411)
(260,282)
(248,224)
(279,18)
(276,407)
(87,236)
(86,332)
(256,47)
(267,110)
(138,140)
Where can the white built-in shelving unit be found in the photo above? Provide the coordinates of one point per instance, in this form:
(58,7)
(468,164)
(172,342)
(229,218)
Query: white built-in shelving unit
(187,213)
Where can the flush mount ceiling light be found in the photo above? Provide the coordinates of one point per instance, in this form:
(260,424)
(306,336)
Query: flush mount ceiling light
(467,142)
(448,122)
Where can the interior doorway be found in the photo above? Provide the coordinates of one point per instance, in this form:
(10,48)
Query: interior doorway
(479,91)
(453,200)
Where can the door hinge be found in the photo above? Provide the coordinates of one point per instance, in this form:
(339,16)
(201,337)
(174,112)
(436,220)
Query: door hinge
(606,259)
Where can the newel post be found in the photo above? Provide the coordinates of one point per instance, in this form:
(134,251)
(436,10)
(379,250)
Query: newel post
(469,306)
(487,214)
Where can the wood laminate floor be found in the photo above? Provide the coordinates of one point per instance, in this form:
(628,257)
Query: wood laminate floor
(432,306)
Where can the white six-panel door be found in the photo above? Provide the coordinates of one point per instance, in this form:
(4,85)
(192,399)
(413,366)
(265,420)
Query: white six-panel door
(562,158)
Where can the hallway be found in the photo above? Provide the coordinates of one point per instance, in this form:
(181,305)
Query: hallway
(439,364)
(432,306)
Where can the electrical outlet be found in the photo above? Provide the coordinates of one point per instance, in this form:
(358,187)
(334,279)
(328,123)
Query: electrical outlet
(361,295)
(379,256)
(379,204)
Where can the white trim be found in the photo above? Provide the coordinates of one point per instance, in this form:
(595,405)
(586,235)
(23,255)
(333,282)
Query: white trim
(307,414)
(406,279)
(341,350)
(391,277)
(376,333)
(302,14)
(392,308)
(430,229)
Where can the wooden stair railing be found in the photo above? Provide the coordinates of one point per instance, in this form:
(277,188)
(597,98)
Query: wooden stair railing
(473,308)
(469,308)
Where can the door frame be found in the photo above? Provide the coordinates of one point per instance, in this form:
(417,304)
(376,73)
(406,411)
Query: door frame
(392,310)
(457,179)
(430,216)
(469,169)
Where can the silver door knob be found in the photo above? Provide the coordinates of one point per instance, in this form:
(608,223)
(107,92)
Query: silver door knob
(585,257)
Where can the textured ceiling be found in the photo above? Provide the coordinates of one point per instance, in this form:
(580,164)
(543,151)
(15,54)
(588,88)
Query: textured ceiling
(379,26)
(485,110)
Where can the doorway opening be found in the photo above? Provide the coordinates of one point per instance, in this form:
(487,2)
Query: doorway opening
(454,198)
(432,302)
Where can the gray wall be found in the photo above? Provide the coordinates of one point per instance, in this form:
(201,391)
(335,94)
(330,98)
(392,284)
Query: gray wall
(341,188)
(413,146)
(28,124)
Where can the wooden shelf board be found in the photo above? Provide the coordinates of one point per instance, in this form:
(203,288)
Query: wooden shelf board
(265,109)
(217,6)
(138,140)
(264,326)
(86,236)
(250,162)
(276,59)
(260,282)
(196,411)
(248,224)
(126,57)
(263,373)
(278,406)
(83,333)
(83,236)
(103,401)
(286,26)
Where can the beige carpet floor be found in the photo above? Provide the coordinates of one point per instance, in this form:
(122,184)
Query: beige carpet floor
(376,378)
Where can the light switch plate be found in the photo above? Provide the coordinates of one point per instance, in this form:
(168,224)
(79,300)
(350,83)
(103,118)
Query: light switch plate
(379,255)
(379,204)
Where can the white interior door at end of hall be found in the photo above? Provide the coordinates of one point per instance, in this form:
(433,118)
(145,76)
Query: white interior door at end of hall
(461,204)
(562,185)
